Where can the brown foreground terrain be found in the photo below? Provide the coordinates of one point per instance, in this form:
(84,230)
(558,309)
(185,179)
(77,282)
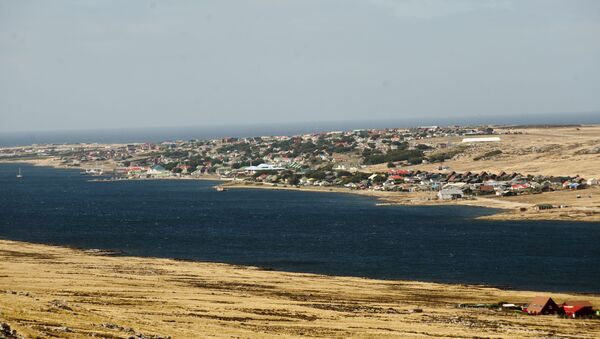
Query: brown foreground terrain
(48,291)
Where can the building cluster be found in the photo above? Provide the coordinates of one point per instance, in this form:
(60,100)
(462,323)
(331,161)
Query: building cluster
(544,305)
(448,185)
(347,150)
(322,159)
(79,154)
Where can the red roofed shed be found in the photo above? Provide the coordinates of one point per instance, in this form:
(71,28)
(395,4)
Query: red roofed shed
(577,308)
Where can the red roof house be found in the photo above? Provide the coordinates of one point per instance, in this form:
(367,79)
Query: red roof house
(577,308)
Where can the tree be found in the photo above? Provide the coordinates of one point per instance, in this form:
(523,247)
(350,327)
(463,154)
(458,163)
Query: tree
(343,173)
(169,166)
(396,155)
(319,175)
(415,160)
(379,179)
(293,179)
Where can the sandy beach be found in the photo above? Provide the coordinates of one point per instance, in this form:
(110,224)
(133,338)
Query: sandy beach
(48,291)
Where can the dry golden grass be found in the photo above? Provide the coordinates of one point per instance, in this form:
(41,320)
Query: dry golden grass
(548,151)
(580,205)
(51,291)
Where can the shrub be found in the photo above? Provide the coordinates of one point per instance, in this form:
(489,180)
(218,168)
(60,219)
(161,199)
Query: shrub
(443,156)
(396,155)
(488,155)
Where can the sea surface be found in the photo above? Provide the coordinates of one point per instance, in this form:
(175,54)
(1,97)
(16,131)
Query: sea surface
(156,135)
(329,233)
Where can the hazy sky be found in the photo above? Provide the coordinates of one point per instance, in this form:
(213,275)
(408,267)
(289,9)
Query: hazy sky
(104,64)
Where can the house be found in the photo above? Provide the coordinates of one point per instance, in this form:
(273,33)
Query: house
(158,171)
(487,189)
(450,193)
(136,170)
(542,305)
(519,187)
(577,308)
(184,169)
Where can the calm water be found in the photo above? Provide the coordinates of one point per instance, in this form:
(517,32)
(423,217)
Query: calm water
(204,132)
(297,231)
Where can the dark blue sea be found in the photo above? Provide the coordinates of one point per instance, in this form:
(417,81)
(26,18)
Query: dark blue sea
(337,234)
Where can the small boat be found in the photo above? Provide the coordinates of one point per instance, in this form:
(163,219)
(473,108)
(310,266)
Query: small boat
(19,175)
(221,189)
(93,171)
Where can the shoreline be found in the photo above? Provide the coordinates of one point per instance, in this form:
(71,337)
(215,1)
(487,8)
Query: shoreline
(78,293)
(507,209)
(98,252)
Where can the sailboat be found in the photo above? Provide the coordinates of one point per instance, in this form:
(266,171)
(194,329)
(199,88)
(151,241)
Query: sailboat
(19,175)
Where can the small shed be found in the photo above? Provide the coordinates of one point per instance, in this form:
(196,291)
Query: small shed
(542,305)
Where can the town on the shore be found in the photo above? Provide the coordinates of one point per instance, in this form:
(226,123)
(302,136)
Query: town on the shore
(331,159)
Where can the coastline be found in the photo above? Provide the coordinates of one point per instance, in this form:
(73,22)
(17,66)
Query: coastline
(53,163)
(507,209)
(46,162)
(77,293)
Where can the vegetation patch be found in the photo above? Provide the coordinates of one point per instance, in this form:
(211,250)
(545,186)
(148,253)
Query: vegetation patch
(488,155)
(443,156)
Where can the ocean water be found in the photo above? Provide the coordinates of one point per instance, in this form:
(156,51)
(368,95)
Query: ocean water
(129,135)
(337,234)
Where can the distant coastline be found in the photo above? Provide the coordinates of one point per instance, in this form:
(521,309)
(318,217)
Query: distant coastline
(506,209)
(133,135)
(527,173)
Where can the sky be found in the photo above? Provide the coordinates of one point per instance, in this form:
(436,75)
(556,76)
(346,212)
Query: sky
(78,65)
